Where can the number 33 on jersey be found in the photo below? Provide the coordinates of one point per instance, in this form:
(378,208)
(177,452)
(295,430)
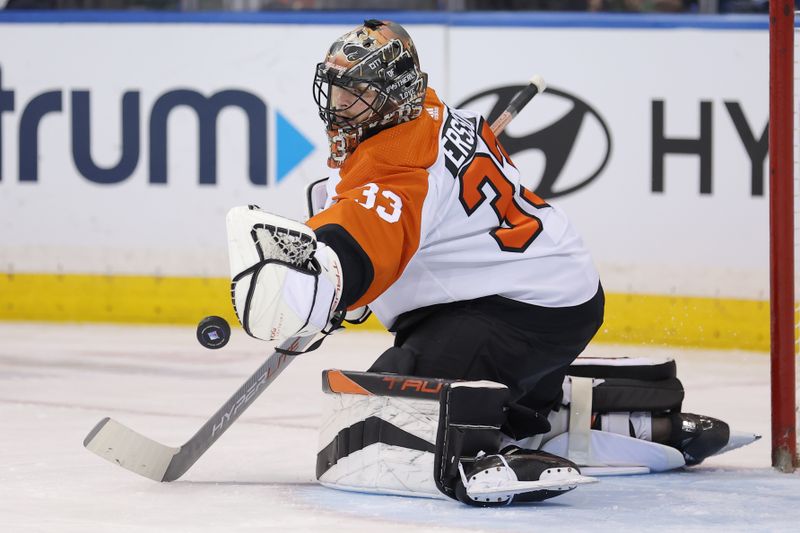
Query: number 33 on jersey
(371,191)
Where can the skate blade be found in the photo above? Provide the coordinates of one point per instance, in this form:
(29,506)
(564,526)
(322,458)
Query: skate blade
(483,490)
(738,439)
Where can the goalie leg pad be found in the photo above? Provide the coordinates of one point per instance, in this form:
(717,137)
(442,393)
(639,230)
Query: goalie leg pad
(617,396)
(617,454)
(376,444)
(626,395)
(393,434)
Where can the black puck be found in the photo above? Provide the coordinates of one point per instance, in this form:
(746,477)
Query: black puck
(213,332)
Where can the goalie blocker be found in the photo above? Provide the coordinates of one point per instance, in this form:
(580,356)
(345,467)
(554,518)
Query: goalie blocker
(393,434)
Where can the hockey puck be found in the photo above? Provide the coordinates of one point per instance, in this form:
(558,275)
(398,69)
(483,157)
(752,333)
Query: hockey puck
(213,332)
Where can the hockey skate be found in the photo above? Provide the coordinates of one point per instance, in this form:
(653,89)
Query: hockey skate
(516,475)
(698,437)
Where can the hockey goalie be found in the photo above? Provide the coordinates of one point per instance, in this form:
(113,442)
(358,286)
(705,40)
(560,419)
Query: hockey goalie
(489,290)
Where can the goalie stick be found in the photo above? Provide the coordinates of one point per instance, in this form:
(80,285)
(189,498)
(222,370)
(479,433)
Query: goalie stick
(118,444)
(537,85)
(121,445)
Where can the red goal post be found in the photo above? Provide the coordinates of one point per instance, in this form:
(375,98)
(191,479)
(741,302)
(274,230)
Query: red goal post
(782,174)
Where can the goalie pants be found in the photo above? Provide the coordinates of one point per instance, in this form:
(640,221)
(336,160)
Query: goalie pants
(525,347)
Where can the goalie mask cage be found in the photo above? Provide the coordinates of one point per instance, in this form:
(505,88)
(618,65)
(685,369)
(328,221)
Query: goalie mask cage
(784,123)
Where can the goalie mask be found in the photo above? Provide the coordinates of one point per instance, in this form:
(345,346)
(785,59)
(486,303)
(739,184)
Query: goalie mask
(370,80)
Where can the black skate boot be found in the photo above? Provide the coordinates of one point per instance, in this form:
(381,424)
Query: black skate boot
(697,436)
(518,475)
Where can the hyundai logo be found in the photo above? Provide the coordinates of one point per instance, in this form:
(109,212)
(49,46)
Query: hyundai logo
(575,141)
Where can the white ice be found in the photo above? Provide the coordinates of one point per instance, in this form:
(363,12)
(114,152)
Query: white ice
(57,381)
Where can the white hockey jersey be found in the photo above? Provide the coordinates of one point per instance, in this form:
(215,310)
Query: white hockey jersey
(437,206)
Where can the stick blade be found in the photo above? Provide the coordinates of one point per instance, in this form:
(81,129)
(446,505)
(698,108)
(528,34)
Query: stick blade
(124,447)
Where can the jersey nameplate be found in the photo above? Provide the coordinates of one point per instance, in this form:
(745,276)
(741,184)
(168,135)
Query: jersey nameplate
(460,138)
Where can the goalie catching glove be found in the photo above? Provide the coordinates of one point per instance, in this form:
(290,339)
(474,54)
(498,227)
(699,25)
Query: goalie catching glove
(283,282)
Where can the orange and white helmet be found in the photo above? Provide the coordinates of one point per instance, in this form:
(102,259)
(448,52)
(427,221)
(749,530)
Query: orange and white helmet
(370,80)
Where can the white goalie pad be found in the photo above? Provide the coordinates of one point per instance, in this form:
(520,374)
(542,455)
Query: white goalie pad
(380,467)
(610,454)
(610,451)
(283,283)
(619,397)
(404,435)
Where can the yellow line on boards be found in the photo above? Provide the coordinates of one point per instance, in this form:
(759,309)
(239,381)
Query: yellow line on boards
(126,299)
(630,318)
(690,321)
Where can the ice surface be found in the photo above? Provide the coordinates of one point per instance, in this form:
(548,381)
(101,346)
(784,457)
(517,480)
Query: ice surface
(57,381)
